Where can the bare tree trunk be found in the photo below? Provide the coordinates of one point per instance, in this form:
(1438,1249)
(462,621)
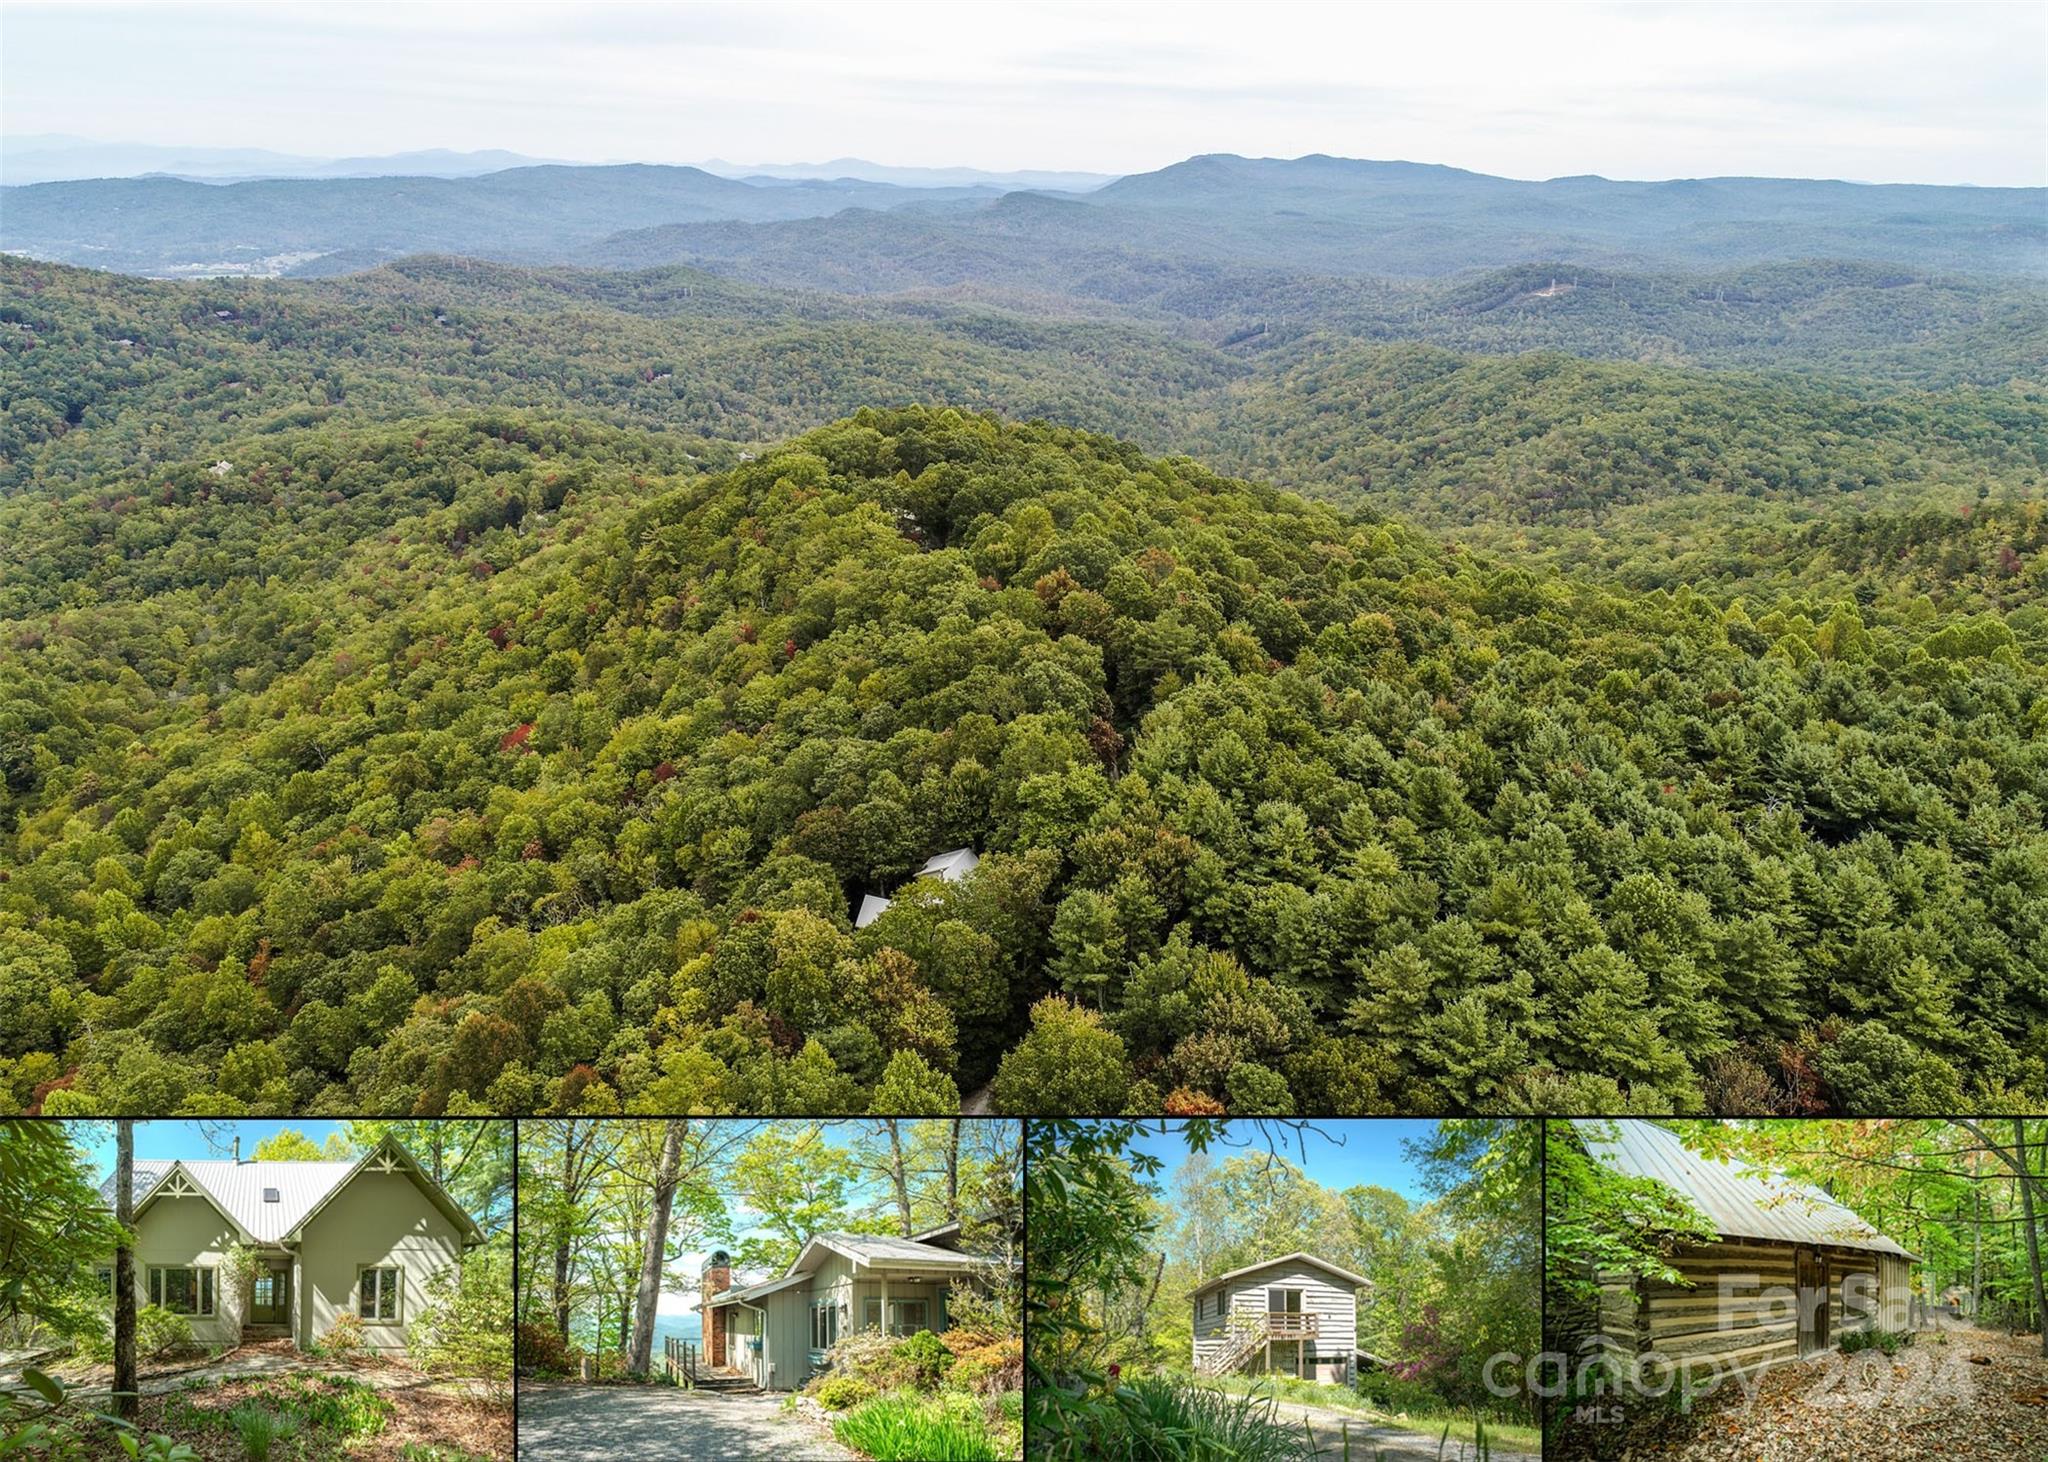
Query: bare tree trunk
(1977,1257)
(126,1398)
(562,1239)
(953,1171)
(2019,1132)
(655,1256)
(896,1174)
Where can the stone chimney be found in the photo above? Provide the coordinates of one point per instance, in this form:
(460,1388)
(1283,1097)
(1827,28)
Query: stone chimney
(717,1280)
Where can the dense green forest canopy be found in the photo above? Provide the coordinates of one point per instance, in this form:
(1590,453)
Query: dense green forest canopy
(466,684)
(1655,474)
(518,763)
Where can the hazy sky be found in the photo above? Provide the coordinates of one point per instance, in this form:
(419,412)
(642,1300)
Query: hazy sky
(1906,92)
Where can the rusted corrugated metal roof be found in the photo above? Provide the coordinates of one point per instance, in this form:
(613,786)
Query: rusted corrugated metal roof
(1741,1202)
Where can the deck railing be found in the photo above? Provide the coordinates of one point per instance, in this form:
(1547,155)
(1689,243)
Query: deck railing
(1291,1326)
(679,1360)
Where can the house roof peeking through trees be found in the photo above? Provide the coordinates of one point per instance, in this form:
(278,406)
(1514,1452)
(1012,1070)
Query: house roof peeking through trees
(951,866)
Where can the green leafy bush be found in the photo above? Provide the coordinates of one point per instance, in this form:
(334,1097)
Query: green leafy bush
(840,1393)
(465,1328)
(1388,1392)
(924,1358)
(871,1356)
(917,1429)
(47,1423)
(159,1332)
(1160,1417)
(1891,1342)
(344,1339)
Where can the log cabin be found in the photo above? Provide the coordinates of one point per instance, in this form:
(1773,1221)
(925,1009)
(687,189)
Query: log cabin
(1789,1271)
(1296,1315)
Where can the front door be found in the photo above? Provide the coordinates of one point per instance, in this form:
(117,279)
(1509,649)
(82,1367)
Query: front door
(270,1299)
(1285,1304)
(1811,1274)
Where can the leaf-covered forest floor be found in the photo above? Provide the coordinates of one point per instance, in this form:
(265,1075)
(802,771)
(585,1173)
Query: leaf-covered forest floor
(423,1417)
(1964,1393)
(248,1361)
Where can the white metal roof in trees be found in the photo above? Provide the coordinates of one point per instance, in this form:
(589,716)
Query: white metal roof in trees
(237,1187)
(952,866)
(1740,1202)
(240,1189)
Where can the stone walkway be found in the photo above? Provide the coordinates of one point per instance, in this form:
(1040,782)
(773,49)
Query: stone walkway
(567,1423)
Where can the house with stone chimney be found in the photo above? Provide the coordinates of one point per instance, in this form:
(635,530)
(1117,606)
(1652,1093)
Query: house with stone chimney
(777,1331)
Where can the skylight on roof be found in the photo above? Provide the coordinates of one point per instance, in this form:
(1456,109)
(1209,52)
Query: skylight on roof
(270,1195)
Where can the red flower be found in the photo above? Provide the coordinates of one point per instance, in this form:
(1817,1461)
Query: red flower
(1115,1370)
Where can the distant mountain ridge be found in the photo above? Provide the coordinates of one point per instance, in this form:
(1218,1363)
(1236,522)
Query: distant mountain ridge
(1310,217)
(917,177)
(54,157)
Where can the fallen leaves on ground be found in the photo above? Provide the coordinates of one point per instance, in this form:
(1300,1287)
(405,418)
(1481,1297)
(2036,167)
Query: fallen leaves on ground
(423,1413)
(1970,1395)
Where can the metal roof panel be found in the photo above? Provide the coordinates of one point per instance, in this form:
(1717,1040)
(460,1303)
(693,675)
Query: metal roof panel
(1740,1202)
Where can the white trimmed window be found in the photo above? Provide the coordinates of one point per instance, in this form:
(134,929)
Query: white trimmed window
(824,1324)
(378,1288)
(906,1317)
(183,1290)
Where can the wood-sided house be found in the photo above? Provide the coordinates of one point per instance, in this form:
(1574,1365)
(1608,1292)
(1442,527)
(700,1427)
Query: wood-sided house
(1297,1315)
(778,1331)
(1790,1270)
(327,1238)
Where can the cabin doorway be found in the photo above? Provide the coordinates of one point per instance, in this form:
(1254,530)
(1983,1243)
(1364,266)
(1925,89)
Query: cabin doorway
(1285,1334)
(1811,1273)
(270,1296)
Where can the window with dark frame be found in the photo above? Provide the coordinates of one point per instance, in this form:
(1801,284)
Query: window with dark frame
(377,1294)
(181,1289)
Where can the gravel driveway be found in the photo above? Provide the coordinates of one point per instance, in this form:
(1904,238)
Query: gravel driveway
(628,1423)
(1375,1439)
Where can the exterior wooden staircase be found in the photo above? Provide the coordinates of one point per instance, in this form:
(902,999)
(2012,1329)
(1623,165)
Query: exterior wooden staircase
(1247,1335)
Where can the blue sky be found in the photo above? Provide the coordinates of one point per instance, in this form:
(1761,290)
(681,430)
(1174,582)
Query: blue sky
(1902,92)
(187,1140)
(1336,1153)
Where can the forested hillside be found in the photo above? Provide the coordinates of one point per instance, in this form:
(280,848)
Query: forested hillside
(1661,474)
(463,684)
(513,761)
